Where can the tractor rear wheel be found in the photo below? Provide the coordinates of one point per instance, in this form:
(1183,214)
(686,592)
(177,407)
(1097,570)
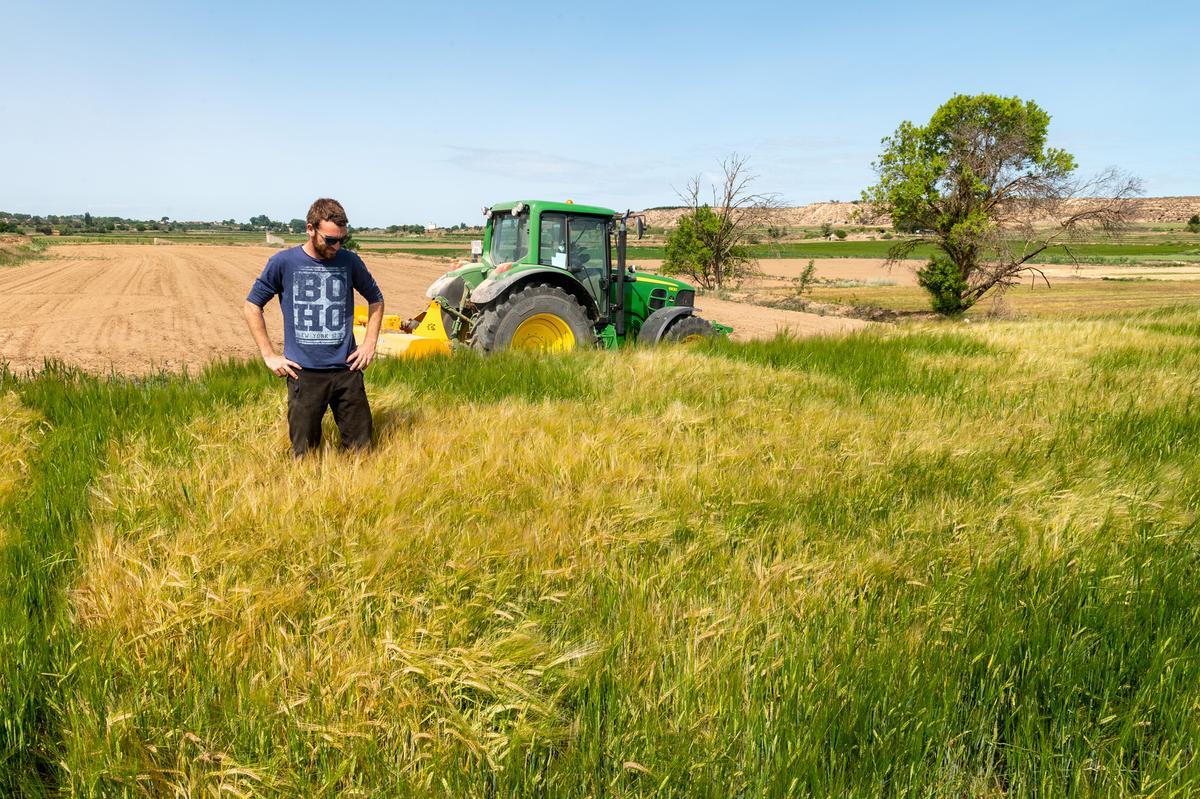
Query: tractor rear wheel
(689,328)
(537,317)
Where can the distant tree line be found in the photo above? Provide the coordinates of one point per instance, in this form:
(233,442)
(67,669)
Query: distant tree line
(71,224)
(85,223)
(79,224)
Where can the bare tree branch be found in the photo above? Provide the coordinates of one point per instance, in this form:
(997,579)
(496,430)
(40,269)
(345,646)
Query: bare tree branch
(737,210)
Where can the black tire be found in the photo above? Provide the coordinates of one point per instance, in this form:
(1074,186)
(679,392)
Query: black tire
(500,320)
(688,328)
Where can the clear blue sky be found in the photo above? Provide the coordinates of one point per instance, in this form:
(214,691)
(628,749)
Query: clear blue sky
(426,112)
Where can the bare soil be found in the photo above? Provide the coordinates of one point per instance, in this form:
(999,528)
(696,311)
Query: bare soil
(134,309)
(755,322)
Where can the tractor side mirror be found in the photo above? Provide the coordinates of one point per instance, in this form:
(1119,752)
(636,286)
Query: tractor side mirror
(641,227)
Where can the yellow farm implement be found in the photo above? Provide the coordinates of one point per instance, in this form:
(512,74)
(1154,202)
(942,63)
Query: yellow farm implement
(420,337)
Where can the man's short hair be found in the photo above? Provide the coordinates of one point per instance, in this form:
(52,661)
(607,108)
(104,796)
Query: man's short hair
(327,210)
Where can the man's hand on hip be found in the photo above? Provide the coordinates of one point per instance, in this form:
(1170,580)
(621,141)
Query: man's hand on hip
(361,358)
(282,366)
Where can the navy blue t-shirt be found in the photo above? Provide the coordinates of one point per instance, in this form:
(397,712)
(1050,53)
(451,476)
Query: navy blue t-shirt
(317,299)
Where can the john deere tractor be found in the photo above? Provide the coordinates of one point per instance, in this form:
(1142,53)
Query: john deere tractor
(552,276)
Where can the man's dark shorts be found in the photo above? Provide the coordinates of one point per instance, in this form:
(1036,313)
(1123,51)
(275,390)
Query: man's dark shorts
(344,392)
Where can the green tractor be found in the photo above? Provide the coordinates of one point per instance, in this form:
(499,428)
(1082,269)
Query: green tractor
(552,276)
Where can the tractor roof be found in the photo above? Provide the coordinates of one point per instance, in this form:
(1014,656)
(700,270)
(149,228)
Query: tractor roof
(553,205)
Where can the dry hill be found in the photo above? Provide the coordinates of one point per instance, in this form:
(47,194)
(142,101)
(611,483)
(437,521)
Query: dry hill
(1149,209)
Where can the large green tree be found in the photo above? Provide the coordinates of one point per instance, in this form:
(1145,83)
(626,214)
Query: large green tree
(980,182)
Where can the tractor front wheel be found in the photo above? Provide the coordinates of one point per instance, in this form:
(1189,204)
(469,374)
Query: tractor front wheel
(538,317)
(689,328)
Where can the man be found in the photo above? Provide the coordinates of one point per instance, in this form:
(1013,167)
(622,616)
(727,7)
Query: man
(315,283)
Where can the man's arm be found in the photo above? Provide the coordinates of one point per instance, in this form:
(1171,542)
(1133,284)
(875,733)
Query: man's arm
(258,328)
(361,358)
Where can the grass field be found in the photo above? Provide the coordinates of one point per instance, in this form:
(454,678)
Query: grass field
(934,560)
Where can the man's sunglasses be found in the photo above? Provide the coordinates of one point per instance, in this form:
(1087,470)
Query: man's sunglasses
(332,240)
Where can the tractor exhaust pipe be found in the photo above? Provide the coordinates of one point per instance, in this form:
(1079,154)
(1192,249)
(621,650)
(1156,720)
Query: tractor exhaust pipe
(619,307)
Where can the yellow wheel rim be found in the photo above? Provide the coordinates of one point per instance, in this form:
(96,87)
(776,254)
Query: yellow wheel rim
(543,331)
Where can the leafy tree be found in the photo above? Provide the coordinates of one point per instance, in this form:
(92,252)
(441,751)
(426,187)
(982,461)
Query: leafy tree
(973,181)
(807,278)
(826,230)
(689,251)
(840,234)
(298,226)
(709,242)
(1193,224)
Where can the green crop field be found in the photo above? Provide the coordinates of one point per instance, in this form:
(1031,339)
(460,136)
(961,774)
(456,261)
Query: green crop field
(937,560)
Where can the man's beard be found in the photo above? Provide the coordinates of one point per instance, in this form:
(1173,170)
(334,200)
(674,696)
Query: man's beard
(323,250)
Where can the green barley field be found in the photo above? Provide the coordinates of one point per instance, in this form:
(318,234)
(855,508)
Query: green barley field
(934,560)
(1143,244)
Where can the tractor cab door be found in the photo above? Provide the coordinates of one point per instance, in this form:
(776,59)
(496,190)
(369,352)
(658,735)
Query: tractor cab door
(578,244)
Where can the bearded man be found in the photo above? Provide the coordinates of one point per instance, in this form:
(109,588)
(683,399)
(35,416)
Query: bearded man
(315,283)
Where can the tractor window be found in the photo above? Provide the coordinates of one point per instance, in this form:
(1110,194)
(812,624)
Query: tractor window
(510,237)
(552,238)
(588,240)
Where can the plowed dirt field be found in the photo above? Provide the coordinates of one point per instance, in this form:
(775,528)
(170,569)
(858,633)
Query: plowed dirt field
(134,309)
